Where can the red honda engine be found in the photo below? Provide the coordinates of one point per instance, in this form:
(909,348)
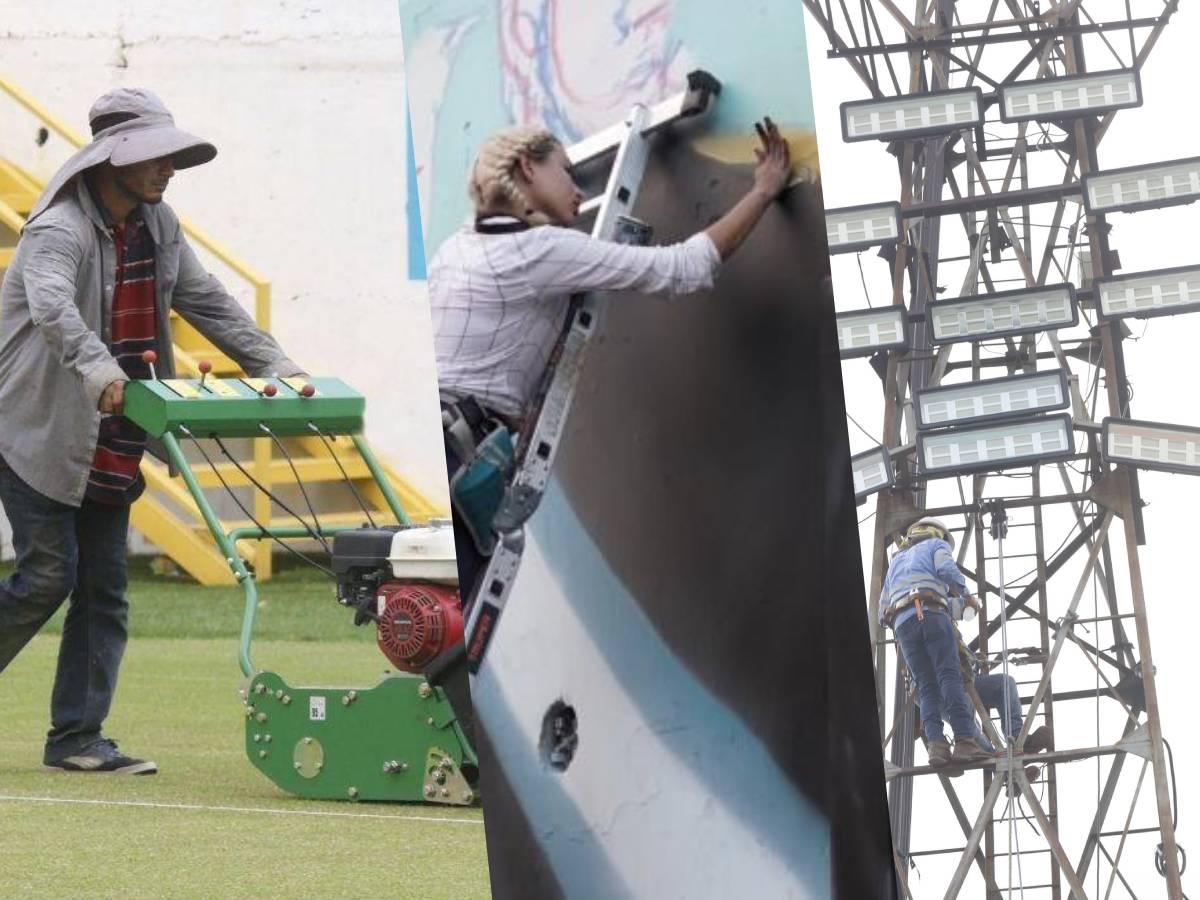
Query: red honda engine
(417,622)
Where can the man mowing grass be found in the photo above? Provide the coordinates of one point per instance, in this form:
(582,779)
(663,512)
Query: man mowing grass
(100,265)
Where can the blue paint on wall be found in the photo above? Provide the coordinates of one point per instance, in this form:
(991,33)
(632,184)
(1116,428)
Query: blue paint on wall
(705,735)
(412,204)
(471,106)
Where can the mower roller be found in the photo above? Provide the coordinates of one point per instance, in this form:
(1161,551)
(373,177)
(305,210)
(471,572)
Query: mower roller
(407,738)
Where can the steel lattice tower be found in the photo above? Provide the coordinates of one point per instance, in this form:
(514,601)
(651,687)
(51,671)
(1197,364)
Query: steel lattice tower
(993,207)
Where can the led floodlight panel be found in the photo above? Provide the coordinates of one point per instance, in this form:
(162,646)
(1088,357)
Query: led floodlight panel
(1071,95)
(872,472)
(1142,187)
(1152,445)
(859,227)
(866,331)
(1163,292)
(1003,314)
(992,400)
(1005,446)
(912,115)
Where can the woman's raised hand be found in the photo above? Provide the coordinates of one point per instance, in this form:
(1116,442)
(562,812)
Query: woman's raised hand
(774,159)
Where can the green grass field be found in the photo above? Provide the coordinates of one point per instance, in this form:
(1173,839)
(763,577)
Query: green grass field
(209,825)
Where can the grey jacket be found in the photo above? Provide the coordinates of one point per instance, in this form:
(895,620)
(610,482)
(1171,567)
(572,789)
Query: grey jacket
(55,310)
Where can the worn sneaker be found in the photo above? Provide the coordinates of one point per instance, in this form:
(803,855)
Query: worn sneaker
(102,756)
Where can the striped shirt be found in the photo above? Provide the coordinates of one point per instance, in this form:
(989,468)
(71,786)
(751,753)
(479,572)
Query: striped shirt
(499,301)
(116,476)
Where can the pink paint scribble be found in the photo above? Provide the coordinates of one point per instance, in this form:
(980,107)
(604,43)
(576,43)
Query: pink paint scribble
(581,79)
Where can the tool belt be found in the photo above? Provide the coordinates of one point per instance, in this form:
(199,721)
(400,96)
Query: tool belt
(924,601)
(481,440)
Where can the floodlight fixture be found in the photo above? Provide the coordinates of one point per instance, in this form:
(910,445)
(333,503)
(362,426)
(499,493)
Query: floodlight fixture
(1152,445)
(852,228)
(872,472)
(991,400)
(1142,187)
(1003,314)
(1008,445)
(912,115)
(1069,96)
(1162,292)
(863,332)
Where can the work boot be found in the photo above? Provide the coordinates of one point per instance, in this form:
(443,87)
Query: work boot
(939,753)
(967,750)
(1041,739)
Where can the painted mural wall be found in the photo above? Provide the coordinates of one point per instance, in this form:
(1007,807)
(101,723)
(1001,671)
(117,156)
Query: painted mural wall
(577,68)
(609,612)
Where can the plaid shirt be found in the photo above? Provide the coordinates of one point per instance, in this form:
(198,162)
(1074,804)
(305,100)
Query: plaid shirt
(116,476)
(499,301)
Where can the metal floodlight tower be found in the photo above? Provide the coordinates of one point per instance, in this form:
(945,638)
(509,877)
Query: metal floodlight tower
(1007,407)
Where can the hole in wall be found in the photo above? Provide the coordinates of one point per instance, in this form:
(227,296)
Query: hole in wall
(560,736)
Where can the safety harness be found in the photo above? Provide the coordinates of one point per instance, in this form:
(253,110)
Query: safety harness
(922,600)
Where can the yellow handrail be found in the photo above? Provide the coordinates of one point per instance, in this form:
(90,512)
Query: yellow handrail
(10,217)
(262,287)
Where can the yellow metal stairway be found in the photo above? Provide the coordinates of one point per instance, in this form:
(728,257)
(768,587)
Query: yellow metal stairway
(166,514)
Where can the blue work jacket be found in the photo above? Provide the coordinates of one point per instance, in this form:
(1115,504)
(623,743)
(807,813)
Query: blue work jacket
(927,565)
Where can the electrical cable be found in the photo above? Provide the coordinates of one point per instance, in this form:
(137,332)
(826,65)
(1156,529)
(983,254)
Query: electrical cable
(862,277)
(254,481)
(299,483)
(999,529)
(1160,856)
(333,453)
(1016,832)
(265,533)
(860,428)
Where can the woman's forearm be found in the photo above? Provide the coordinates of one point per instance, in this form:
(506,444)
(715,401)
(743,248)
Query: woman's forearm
(729,231)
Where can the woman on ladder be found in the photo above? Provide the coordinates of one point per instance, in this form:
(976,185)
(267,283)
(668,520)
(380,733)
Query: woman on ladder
(499,292)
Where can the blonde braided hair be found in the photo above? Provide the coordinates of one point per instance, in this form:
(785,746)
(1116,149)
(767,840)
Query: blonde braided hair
(492,184)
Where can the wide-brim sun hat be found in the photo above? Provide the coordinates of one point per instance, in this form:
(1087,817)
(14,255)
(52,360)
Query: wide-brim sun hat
(186,150)
(129,126)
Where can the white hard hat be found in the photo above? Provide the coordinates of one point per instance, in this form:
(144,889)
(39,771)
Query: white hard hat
(929,523)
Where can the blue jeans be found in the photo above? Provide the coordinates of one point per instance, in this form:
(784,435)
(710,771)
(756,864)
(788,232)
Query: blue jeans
(63,551)
(991,693)
(930,649)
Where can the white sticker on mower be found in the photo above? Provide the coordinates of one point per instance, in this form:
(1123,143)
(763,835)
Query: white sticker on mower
(316,709)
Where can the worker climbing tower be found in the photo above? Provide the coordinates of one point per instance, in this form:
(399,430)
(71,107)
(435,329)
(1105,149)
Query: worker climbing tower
(1007,410)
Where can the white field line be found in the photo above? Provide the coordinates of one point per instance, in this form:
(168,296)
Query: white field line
(195,807)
